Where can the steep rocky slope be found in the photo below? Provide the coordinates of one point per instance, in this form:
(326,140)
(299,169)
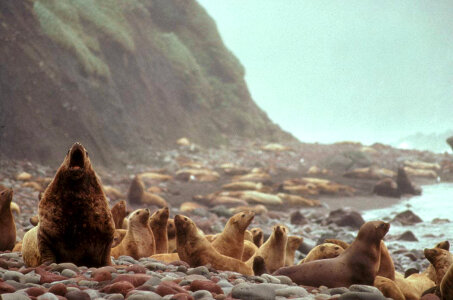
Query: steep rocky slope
(119,76)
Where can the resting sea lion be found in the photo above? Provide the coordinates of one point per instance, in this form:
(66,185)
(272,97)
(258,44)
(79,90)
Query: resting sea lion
(291,246)
(231,241)
(323,251)
(441,260)
(431,270)
(196,250)
(388,288)
(7,225)
(30,251)
(158,223)
(118,236)
(137,194)
(119,212)
(356,265)
(166,257)
(139,239)
(386,266)
(340,243)
(75,222)
(414,285)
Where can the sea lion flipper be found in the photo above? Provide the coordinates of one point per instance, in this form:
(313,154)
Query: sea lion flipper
(259,266)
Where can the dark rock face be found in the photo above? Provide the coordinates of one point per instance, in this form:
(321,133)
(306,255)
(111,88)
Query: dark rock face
(405,185)
(346,217)
(408,236)
(387,187)
(407,218)
(119,79)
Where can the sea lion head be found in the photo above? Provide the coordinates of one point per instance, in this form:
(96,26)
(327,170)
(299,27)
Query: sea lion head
(140,217)
(258,236)
(434,254)
(280,232)
(6,196)
(373,231)
(242,220)
(444,245)
(160,216)
(171,229)
(185,229)
(294,242)
(76,163)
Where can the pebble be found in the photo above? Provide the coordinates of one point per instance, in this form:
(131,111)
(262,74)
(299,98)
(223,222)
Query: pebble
(365,289)
(32,278)
(77,295)
(68,273)
(270,278)
(292,291)
(202,270)
(202,294)
(361,296)
(114,297)
(15,296)
(47,296)
(253,291)
(143,295)
(14,275)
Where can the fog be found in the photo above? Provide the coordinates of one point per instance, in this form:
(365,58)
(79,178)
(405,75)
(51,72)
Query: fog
(329,71)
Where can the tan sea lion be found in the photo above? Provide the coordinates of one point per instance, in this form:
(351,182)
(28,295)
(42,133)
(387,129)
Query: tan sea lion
(323,251)
(118,236)
(171,233)
(137,194)
(274,249)
(7,225)
(388,288)
(17,247)
(30,251)
(356,265)
(258,236)
(291,246)
(414,285)
(119,212)
(340,243)
(15,208)
(431,271)
(231,241)
(195,249)
(441,260)
(249,250)
(386,266)
(158,223)
(248,236)
(75,222)
(166,257)
(139,239)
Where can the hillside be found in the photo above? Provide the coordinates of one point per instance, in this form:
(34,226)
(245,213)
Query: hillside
(122,77)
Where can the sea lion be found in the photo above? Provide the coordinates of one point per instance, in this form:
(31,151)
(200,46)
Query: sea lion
(166,257)
(17,247)
(75,222)
(119,212)
(34,220)
(441,260)
(446,285)
(323,251)
(7,225)
(388,288)
(340,243)
(158,223)
(30,250)
(171,233)
(137,194)
(248,236)
(195,249)
(356,265)
(118,236)
(413,286)
(386,266)
(139,239)
(249,250)
(15,208)
(431,271)
(291,246)
(231,241)
(274,249)
(258,236)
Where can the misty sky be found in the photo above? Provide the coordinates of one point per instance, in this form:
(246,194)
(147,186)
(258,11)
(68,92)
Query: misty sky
(333,70)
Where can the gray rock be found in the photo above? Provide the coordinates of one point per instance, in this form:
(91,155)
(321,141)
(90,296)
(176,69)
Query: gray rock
(361,296)
(14,296)
(338,291)
(14,255)
(16,285)
(153,266)
(92,293)
(68,273)
(259,279)
(14,275)
(114,297)
(284,279)
(364,289)
(127,259)
(202,294)
(88,283)
(248,291)
(270,278)
(292,291)
(144,295)
(48,296)
(224,283)
(32,278)
(202,270)
(153,281)
(67,265)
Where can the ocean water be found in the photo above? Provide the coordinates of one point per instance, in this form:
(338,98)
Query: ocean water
(436,201)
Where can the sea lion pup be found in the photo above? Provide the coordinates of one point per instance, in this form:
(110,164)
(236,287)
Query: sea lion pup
(119,212)
(356,265)
(75,222)
(7,225)
(323,251)
(258,236)
(195,249)
(137,194)
(414,285)
(249,250)
(231,241)
(158,223)
(171,234)
(388,288)
(441,260)
(291,246)
(274,249)
(446,285)
(30,251)
(139,239)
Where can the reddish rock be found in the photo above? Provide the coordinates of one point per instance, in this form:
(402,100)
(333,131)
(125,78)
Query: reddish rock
(3,264)
(168,288)
(135,279)
(6,288)
(430,297)
(26,270)
(101,274)
(121,287)
(35,291)
(47,277)
(182,296)
(61,297)
(59,289)
(77,295)
(220,297)
(137,269)
(205,285)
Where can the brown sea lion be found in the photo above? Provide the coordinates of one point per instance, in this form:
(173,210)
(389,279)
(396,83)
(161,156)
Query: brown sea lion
(158,223)
(231,241)
(30,251)
(441,260)
(258,236)
(171,233)
(249,250)
(388,288)
(356,265)
(7,225)
(340,243)
(274,249)
(195,249)
(386,266)
(431,271)
(119,212)
(75,222)
(323,251)
(137,194)
(446,285)
(291,246)
(139,239)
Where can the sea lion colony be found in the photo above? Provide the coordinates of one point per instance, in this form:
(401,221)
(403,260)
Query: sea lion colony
(76,225)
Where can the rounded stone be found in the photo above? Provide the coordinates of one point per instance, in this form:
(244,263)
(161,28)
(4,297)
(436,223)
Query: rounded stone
(253,291)
(77,295)
(292,291)
(14,275)
(47,296)
(68,273)
(201,270)
(58,289)
(361,296)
